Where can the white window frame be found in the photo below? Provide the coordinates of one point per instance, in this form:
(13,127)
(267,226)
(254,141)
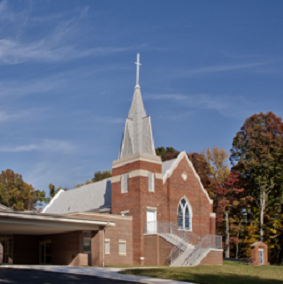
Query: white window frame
(151,183)
(125,183)
(123,242)
(89,239)
(107,241)
(183,207)
(125,213)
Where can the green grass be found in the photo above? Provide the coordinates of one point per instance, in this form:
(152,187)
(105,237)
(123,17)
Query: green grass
(230,273)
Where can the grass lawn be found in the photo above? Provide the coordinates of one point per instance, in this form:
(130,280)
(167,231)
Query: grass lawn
(230,273)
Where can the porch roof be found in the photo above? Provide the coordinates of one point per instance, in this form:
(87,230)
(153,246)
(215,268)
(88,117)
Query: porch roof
(29,223)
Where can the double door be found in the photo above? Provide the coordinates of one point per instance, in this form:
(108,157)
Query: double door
(45,252)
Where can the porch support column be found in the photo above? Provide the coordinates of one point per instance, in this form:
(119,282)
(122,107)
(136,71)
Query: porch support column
(97,243)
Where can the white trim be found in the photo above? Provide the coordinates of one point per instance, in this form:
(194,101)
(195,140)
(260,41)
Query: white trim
(212,215)
(151,136)
(158,176)
(52,200)
(115,179)
(136,157)
(191,215)
(138,173)
(58,219)
(174,166)
(151,208)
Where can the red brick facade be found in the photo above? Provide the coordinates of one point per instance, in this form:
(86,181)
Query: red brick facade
(165,199)
(214,257)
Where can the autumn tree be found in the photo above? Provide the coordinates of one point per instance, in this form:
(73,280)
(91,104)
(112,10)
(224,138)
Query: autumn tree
(257,154)
(229,197)
(17,194)
(217,159)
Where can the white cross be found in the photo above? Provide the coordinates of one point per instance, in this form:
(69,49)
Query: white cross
(138,69)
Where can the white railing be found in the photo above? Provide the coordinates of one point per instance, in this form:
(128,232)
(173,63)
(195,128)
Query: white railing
(208,242)
(152,228)
(199,245)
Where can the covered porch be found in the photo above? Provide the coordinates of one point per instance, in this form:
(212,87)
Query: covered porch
(32,238)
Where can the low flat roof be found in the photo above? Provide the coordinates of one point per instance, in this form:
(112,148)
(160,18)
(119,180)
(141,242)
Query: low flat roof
(29,223)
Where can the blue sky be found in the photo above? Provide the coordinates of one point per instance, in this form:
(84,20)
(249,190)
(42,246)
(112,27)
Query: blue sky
(67,77)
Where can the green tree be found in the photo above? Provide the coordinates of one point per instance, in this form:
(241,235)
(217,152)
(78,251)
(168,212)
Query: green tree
(257,154)
(17,194)
(101,175)
(53,191)
(162,152)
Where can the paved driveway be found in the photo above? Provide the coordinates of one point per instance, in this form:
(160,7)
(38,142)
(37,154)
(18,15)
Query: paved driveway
(22,276)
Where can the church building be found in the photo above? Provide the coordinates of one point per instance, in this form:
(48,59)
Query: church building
(148,213)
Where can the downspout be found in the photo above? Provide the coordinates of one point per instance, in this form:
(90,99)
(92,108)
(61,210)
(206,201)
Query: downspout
(103,244)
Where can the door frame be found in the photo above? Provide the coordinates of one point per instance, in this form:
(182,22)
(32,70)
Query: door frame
(153,227)
(44,242)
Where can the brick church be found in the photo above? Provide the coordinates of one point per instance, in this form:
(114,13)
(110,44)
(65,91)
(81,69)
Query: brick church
(149,213)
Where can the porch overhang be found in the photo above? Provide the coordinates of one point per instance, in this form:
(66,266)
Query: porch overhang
(42,224)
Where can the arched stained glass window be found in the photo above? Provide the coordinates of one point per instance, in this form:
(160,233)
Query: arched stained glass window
(184,215)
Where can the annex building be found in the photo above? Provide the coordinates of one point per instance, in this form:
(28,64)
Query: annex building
(149,213)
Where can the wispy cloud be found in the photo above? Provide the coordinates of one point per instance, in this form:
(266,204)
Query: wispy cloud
(47,145)
(221,68)
(59,44)
(224,104)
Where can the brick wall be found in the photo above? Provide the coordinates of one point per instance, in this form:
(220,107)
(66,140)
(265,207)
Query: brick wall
(122,231)
(177,188)
(136,200)
(65,247)
(137,165)
(25,249)
(213,258)
(151,250)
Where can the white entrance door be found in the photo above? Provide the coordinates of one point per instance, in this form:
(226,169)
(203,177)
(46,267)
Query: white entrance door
(260,256)
(151,221)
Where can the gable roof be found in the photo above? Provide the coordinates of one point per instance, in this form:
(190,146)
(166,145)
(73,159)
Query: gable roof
(167,165)
(89,197)
(169,168)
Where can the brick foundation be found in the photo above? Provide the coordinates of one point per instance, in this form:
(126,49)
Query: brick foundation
(214,257)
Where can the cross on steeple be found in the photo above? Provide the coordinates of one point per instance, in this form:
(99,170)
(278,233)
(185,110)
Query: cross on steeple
(138,69)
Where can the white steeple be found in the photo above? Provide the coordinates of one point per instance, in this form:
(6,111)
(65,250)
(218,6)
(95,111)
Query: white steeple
(137,136)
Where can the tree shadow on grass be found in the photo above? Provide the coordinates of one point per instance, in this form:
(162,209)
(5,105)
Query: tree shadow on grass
(205,278)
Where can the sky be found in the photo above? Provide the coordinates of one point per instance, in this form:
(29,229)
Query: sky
(67,77)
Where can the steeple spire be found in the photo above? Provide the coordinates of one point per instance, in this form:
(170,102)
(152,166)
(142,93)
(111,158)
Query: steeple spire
(137,136)
(138,70)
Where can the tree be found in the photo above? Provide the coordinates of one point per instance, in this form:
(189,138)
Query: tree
(217,159)
(53,191)
(101,175)
(228,196)
(162,152)
(17,194)
(257,154)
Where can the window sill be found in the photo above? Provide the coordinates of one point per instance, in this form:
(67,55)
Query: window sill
(122,254)
(185,230)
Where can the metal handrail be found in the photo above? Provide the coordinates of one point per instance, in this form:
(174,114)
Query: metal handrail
(185,237)
(159,227)
(208,242)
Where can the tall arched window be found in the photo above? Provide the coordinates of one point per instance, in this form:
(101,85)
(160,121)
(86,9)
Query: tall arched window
(184,215)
